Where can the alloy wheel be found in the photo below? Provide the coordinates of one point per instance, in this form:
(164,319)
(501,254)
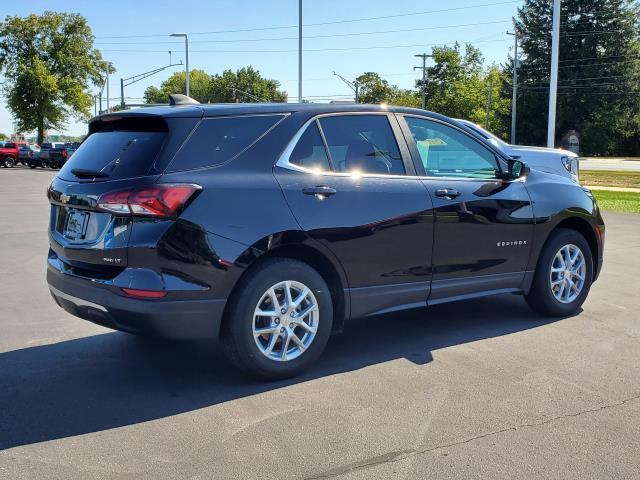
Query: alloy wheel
(568,272)
(285,320)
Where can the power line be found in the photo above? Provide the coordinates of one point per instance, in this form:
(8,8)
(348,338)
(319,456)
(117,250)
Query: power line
(311,50)
(597,58)
(335,22)
(439,27)
(580,79)
(594,85)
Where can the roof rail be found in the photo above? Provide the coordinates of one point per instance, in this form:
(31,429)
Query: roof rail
(179,99)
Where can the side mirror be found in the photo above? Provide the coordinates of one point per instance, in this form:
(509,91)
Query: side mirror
(517,169)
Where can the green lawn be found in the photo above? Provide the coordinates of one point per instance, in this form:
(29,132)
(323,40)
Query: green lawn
(617,201)
(609,179)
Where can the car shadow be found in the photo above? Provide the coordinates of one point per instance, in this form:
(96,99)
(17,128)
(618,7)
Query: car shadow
(114,379)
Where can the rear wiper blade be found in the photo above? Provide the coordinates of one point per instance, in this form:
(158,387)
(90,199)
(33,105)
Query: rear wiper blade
(82,173)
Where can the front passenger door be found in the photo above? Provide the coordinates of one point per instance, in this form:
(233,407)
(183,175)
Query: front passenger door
(483,223)
(352,188)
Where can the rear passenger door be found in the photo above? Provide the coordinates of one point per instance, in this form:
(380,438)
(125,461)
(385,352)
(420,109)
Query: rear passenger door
(483,223)
(351,186)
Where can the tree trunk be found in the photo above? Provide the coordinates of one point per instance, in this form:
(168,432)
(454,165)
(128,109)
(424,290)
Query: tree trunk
(40,133)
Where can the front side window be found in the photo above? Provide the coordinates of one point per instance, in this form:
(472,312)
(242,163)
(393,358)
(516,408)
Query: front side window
(362,143)
(447,152)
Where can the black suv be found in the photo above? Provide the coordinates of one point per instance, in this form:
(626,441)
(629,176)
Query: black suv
(268,226)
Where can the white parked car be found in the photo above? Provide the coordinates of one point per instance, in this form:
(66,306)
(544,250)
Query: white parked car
(551,160)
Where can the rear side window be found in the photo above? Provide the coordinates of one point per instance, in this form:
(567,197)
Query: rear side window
(218,140)
(309,151)
(10,145)
(119,149)
(362,143)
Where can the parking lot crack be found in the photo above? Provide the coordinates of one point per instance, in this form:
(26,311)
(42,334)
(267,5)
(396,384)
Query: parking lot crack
(397,456)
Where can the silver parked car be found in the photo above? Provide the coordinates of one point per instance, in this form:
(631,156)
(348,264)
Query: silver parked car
(551,160)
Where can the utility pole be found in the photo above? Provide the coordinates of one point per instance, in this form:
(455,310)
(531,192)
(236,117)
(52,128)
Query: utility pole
(424,57)
(553,85)
(514,93)
(355,85)
(486,116)
(299,51)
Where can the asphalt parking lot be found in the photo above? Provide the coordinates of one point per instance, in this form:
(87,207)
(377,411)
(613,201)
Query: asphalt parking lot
(480,389)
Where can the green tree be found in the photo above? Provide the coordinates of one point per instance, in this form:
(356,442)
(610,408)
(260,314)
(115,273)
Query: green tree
(199,86)
(404,97)
(373,88)
(48,62)
(599,74)
(458,86)
(3,136)
(246,85)
(243,85)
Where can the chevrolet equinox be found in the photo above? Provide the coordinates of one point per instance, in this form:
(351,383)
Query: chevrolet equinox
(269,226)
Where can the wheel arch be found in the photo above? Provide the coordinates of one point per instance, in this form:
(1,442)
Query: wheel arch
(583,227)
(328,268)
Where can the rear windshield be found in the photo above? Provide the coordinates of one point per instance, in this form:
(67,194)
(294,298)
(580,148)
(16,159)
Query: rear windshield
(218,140)
(46,146)
(116,151)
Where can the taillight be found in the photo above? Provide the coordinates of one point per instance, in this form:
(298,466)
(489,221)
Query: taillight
(160,201)
(65,154)
(134,292)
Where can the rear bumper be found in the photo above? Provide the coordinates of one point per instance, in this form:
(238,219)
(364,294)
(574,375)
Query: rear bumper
(177,319)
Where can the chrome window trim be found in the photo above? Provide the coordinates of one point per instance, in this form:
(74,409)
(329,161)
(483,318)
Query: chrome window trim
(283,159)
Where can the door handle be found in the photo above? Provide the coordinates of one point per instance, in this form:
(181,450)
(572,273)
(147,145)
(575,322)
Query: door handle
(320,191)
(448,193)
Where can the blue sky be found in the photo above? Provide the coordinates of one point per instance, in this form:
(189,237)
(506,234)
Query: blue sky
(350,47)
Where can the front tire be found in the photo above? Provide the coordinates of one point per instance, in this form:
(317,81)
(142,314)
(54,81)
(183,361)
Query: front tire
(9,162)
(278,320)
(563,275)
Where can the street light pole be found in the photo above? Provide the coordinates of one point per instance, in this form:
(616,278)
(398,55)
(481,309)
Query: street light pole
(299,51)
(355,85)
(553,85)
(186,55)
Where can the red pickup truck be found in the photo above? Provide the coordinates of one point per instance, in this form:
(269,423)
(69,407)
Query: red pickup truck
(9,153)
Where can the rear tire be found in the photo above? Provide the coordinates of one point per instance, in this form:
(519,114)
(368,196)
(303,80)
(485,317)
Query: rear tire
(9,162)
(287,328)
(561,285)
